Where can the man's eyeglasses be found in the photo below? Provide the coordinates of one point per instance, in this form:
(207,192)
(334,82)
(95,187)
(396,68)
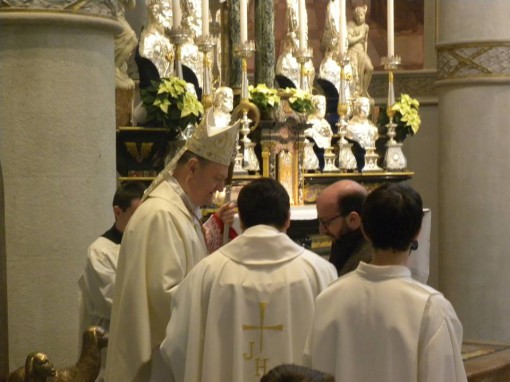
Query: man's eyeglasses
(328,222)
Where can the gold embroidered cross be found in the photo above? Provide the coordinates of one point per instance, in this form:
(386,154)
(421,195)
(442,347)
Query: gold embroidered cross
(262,314)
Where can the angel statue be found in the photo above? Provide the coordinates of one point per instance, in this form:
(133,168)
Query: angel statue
(125,43)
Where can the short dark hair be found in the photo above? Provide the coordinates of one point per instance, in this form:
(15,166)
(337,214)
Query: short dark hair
(353,201)
(263,201)
(295,373)
(126,193)
(392,216)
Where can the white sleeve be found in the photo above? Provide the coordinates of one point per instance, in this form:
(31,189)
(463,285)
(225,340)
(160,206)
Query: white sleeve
(439,357)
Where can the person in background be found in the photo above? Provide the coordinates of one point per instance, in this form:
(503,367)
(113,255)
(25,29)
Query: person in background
(403,330)
(248,306)
(98,279)
(339,214)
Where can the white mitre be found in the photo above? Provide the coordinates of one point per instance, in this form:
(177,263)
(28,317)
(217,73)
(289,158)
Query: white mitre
(209,141)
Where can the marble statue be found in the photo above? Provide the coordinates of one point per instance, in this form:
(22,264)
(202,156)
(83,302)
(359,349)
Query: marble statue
(154,44)
(360,128)
(223,103)
(320,131)
(330,36)
(310,160)
(357,36)
(292,21)
(287,63)
(125,43)
(191,23)
(191,17)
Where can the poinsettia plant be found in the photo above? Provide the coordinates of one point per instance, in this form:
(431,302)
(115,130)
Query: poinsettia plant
(171,103)
(407,117)
(264,97)
(299,100)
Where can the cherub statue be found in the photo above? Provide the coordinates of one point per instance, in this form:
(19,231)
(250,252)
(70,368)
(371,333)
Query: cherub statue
(125,43)
(360,128)
(320,131)
(357,35)
(154,44)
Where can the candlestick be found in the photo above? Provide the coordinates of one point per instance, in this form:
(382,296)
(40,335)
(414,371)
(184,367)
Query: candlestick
(342,25)
(391,27)
(176,13)
(244,21)
(302,24)
(205,17)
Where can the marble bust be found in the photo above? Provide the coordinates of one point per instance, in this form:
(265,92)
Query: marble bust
(360,128)
(320,131)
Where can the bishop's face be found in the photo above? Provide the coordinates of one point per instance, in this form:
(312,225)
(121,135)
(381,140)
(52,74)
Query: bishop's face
(205,179)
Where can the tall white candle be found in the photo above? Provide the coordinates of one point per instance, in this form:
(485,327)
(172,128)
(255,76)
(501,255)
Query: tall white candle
(205,17)
(342,24)
(302,24)
(244,20)
(391,27)
(176,13)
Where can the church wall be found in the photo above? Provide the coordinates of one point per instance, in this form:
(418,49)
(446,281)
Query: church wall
(57,149)
(474,186)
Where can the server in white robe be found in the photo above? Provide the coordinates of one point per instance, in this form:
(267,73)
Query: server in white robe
(98,278)
(377,323)
(164,241)
(248,306)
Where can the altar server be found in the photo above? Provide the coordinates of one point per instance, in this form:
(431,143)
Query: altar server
(247,307)
(377,323)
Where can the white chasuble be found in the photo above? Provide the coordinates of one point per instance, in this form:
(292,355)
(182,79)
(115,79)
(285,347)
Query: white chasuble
(161,244)
(244,309)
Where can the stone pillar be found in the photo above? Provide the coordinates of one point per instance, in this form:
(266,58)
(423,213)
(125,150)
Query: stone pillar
(264,41)
(57,149)
(474,93)
(4,334)
(235,38)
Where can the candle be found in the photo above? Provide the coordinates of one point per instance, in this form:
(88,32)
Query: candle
(391,25)
(302,25)
(244,21)
(342,24)
(205,17)
(176,13)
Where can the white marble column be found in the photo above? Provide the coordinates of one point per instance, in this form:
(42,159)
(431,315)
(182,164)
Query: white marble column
(57,150)
(474,98)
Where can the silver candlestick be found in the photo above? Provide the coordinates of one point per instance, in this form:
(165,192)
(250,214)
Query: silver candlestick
(394,159)
(303,56)
(206,45)
(244,51)
(178,36)
(346,159)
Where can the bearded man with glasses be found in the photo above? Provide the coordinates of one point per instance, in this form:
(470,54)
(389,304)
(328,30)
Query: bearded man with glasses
(339,214)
